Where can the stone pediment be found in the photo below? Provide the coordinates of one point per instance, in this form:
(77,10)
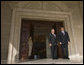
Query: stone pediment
(40,5)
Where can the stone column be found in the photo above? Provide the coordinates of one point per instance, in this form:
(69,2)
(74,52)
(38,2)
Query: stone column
(9,61)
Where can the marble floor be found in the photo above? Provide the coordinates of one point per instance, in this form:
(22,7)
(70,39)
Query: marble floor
(51,61)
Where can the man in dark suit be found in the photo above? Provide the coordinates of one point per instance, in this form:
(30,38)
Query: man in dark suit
(64,40)
(53,44)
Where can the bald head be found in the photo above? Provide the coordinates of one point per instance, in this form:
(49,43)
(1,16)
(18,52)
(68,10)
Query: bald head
(52,31)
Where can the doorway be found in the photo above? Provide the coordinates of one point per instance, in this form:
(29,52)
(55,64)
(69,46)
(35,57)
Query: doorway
(38,30)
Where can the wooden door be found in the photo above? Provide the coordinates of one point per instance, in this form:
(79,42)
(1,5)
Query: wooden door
(25,33)
(28,29)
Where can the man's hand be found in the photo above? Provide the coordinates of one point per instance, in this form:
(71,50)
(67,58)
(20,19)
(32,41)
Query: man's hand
(60,43)
(68,42)
(50,44)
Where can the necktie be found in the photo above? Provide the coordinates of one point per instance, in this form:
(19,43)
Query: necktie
(63,32)
(54,35)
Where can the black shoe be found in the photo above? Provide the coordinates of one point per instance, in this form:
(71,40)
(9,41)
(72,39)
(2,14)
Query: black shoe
(67,58)
(55,58)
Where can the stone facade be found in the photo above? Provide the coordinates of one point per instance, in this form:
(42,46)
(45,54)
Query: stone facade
(8,14)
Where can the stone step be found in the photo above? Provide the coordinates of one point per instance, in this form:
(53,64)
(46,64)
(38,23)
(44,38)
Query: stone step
(51,61)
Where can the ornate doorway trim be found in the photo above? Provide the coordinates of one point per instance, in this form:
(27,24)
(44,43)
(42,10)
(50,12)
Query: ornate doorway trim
(19,14)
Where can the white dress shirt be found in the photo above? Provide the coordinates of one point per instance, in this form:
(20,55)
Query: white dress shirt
(63,32)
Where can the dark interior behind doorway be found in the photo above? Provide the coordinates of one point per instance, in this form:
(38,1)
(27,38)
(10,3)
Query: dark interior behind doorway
(37,30)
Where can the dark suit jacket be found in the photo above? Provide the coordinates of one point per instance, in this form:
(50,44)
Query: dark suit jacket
(52,39)
(63,38)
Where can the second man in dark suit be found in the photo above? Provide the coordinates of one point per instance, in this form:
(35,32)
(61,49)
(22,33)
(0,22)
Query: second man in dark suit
(64,39)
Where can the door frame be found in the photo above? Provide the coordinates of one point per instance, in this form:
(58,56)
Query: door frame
(18,14)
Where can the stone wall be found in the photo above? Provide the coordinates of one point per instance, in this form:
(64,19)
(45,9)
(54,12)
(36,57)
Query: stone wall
(6,13)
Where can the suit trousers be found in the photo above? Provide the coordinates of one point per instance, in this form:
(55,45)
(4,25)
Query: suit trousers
(54,51)
(65,50)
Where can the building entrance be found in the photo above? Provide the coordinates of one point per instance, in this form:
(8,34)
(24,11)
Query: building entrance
(33,38)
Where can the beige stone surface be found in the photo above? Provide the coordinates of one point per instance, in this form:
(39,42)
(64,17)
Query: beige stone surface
(73,7)
(5,29)
(51,61)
